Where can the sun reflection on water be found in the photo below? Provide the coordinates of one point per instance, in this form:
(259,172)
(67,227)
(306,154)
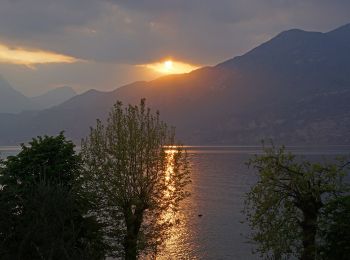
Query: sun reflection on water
(170,170)
(177,242)
(176,246)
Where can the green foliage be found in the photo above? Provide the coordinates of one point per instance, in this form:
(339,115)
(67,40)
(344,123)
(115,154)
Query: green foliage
(49,159)
(42,211)
(335,229)
(139,177)
(283,208)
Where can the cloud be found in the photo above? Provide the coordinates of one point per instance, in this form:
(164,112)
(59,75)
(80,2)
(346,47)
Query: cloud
(31,18)
(30,58)
(114,35)
(137,32)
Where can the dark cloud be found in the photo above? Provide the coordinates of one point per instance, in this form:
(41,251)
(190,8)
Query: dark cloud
(138,31)
(111,32)
(32,17)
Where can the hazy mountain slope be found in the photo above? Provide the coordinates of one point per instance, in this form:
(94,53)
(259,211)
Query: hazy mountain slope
(12,101)
(294,88)
(316,60)
(53,97)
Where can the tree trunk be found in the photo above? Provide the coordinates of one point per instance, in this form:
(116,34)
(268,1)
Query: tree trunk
(133,224)
(130,247)
(309,229)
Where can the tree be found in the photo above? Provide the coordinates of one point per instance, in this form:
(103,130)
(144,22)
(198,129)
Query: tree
(139,175)
(284,207)
(335,229)
(51,159)
(42,210)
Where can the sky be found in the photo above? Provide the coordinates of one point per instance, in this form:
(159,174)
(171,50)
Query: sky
(104,44)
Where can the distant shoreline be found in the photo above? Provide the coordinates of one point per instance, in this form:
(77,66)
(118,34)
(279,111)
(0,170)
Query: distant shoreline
(231,149)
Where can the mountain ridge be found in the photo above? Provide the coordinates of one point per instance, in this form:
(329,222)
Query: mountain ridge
(13,101)
(53,97)
(294,88)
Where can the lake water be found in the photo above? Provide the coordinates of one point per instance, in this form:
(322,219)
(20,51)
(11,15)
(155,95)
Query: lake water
(8,150)
(219,181)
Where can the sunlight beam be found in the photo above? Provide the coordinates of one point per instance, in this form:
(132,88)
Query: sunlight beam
(27,57)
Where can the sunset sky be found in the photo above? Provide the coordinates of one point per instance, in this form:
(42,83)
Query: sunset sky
(104,44)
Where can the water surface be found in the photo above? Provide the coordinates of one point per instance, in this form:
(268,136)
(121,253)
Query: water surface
(220,179)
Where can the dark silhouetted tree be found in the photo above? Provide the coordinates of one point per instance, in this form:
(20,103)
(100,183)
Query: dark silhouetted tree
(43,214)
(335,229)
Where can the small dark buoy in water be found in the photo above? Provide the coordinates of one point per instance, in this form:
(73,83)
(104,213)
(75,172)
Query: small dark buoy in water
(200,215)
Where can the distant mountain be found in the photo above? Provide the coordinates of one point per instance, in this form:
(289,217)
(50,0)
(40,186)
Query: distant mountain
(12,101)
(53,97)
(294,88)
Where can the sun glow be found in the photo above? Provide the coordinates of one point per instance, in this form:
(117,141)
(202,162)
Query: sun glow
(22,56)
(170,67)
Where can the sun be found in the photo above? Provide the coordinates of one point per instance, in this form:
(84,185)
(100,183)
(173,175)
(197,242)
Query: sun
(170,66)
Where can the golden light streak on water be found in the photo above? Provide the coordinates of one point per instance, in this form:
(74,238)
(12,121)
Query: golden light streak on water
(176,245)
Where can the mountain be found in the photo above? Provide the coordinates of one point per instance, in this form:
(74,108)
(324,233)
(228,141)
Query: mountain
(294,88)
(12,101)
(53,97)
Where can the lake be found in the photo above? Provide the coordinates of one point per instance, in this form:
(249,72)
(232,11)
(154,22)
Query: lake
(220,179)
